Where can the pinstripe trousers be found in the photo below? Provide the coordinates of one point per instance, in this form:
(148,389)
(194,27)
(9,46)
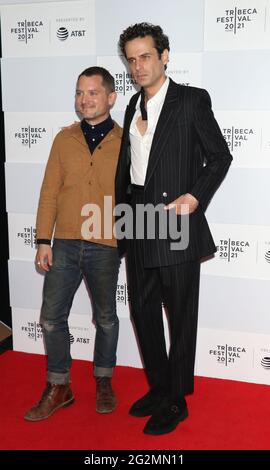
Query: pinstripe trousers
(176,286)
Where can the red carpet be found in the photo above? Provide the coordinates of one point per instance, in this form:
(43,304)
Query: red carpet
(223,414)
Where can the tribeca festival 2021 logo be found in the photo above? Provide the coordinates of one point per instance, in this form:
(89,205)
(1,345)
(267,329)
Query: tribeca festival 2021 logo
(237,137)
(226,354)
(122,294)
(124,82)
(28,236)
(237,19)
(26,30)
(229,249)
(70,28)
(33,330)
(30,135)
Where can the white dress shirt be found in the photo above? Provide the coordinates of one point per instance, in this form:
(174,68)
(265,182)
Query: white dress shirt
(141,144)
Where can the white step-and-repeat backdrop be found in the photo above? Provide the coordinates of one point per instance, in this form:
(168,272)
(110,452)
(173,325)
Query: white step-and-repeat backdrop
(223,46)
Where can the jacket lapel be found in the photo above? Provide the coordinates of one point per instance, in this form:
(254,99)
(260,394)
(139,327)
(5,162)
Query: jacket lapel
(164,127)
(130,111)
(124,159)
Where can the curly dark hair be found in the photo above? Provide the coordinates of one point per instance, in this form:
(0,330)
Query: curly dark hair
(140,30)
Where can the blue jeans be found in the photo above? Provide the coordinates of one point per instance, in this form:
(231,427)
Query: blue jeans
(99,265)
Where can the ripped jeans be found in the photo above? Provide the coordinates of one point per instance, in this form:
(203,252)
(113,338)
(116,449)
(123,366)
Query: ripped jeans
(99,265)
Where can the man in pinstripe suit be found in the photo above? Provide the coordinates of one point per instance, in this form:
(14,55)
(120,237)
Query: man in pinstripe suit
(173,153)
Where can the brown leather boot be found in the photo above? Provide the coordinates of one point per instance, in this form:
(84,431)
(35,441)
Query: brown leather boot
(55,396)
(106,399)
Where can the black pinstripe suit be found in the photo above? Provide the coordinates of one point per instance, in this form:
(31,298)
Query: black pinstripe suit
(188,155)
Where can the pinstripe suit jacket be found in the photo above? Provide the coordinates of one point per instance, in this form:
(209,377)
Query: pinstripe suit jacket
(188,155)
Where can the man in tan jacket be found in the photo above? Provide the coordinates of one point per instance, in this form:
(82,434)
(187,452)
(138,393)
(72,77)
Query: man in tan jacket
(80,171)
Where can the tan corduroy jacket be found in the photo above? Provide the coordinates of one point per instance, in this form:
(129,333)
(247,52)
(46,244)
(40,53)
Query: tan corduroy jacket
(74,178)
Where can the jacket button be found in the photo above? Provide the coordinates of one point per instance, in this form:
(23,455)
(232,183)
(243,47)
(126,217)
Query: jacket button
(164,194)
(99,147)
(91,164)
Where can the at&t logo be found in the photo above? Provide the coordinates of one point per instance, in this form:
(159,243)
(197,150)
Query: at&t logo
(82,340)
(265,362)
(62,33)
(267,256)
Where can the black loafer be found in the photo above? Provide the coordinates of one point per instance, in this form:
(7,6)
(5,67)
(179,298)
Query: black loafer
(166,418)
(146,405)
